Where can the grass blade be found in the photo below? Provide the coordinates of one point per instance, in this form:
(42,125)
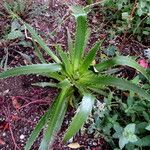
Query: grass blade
(31,69)
(81,116)
(122,60)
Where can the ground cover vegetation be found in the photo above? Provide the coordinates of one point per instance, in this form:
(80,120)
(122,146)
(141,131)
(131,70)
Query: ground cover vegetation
(129,17)
(114,108)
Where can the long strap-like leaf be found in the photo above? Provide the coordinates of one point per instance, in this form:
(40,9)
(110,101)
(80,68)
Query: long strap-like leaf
(38,128)
(81,116)
(56,120)
(36,37)
(70,43)
(81,31)
(31,69)
(120,83)
(89,58)
(41,42)
(122,60)
(65,60)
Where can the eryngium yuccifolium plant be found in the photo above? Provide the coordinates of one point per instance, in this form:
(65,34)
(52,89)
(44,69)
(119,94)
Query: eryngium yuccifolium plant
(73,71)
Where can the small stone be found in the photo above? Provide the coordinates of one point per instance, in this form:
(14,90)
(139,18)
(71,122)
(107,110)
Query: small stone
(112,42)
(5,92)
(4,134)
(90,143)
(22,136)
(71,140)
(21,141)
(94,143)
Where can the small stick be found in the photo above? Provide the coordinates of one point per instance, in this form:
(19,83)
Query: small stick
(12,136)
(34,102)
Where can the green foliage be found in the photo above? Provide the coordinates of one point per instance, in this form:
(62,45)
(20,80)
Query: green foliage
(130,16)
(26,9)
(126,120)
(89,2)
(75,74)
(15,31)
(128,135)
(21,7)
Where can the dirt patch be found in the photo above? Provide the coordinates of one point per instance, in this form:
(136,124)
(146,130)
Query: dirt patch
(21,107)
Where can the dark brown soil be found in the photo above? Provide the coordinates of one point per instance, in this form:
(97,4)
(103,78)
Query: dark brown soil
(21,107)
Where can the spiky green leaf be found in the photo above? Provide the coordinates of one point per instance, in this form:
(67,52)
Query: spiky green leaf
(122,60)
(45,84)
(81,116)
(41,42)
(38,128)
(38,53)
(55,121)
(65,60)
(89,58)
(31,69)
(70,43)
(81,30)
(121,84)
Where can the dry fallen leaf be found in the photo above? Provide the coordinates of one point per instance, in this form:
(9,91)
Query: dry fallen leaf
(2,142)
(15,103)
(94,62)
(74,145)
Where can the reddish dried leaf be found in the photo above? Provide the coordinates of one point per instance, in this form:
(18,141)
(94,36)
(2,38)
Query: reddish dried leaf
(6,126)
(103,36)
(15,103)
(14,117)
(2,125)
(2,142)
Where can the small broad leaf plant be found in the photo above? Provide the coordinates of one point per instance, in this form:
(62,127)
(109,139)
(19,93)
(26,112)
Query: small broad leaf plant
(73,71)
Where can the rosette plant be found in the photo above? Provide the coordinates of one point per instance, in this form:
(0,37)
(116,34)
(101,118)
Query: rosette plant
(78,81)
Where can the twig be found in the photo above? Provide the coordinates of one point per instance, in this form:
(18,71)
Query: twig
(26,35)
(7,114)
(130,19)
(34,102)
(12,136)
(94,4)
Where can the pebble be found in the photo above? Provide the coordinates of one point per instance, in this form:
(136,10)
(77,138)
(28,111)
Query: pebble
(22,136)
(71,140)
(5,92)
(4,134)
(25,129)
(94,144)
